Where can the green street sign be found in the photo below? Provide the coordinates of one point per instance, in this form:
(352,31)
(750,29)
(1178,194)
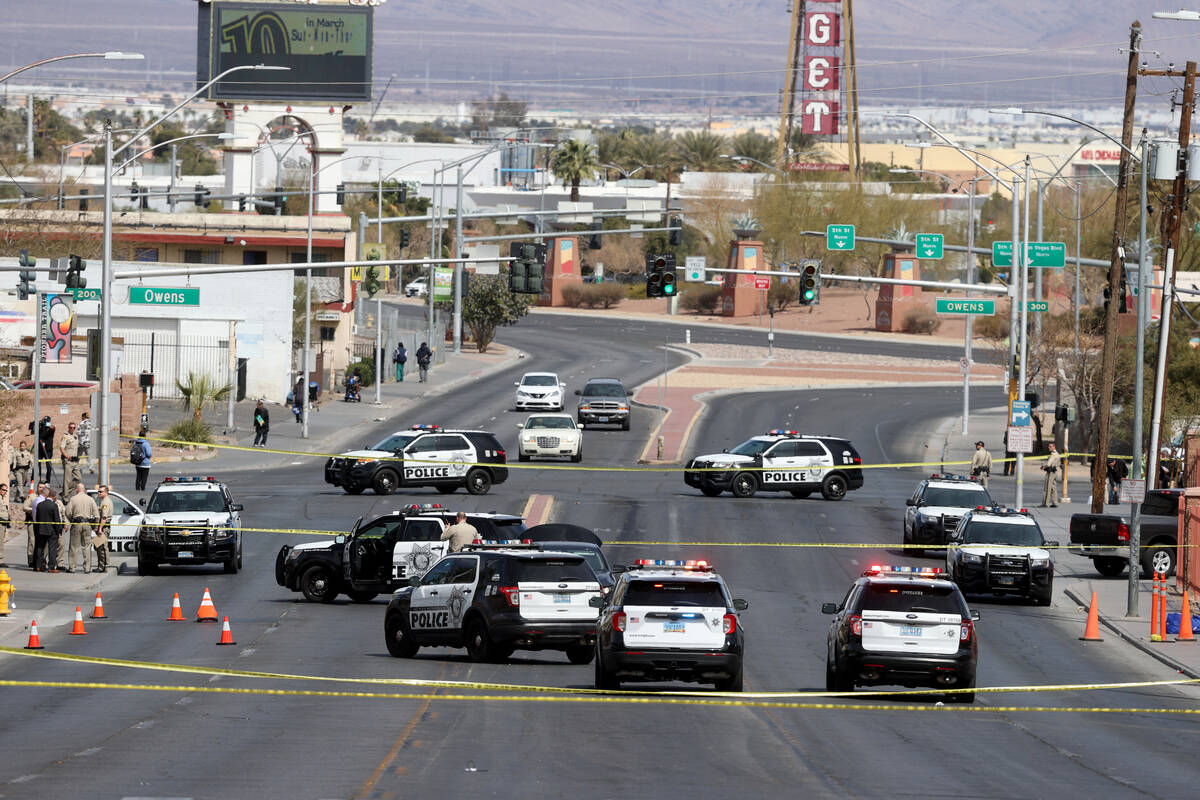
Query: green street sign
(1038,306)
(87,294)
(160,296)
(1050,255)
(958,305)
(839,237)
(929,245)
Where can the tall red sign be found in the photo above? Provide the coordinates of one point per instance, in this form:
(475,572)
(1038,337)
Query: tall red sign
(820,82)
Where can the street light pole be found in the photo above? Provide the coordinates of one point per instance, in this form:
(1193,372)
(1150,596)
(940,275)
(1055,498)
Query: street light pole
(1018,317)
(1143,316)
(458,268)
(970,254)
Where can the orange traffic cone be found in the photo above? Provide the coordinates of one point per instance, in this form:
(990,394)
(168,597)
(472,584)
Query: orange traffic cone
(98,611)
(176,611)
(207,611)
(1155,631)
(1162,608)
(35,641)
(1185,621)
(77,628)
(1091,632)
(226,634)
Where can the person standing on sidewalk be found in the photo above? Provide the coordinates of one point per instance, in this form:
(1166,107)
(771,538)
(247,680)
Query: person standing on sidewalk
(46,449)
(83,515)
(140,456)
(64,531)
(30,528)
(400,358)
(1051,468)
(981,464)
(68,448)
(21,466)
(298,400)
(85,441)
(1010,464)
(1116,472)
(424,357)
(262,424)
(47,522)
(100,539)
(5,520)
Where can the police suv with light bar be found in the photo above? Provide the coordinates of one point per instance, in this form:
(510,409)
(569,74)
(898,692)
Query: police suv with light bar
(905,626)
(379,555)
(780,461)
(494,597)
(424,455)
(190,520)
(935,508)
(670,620)
(1001,551)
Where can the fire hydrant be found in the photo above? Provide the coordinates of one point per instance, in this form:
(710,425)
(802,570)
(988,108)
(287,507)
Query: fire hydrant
(6,591)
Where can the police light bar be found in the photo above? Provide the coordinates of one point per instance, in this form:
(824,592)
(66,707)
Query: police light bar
(781,432)
(893,569)
(483,544)
(189,479)
(423,506)
(426,427)
(699,566)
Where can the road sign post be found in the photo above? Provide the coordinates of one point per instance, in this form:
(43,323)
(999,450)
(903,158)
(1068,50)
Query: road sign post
(955,305)
(929,245)
(839,237)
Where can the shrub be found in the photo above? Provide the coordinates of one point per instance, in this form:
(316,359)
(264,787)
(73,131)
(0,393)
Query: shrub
(921,320)
(573,296)
(603,295)
(637,289)
(783,294)
(366,369)
(190,430)
(992,327)
(701,299)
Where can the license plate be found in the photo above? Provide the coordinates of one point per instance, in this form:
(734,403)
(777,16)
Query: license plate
(185,553)
(910,630)
(602,419)
(1005,580)
(674,627)
(562,599)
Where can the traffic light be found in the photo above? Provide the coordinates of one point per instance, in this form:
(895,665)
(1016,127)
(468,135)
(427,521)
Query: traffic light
(527,272)
(280,199)
(466,283)
(594,240)
(1107,298)
(810,283)
(140,195)
(1063,413)
(675,237)
(404,237)
(341,194)
(655,269)
(1124,307)
(241,202)
(400,195)
(83,200)
(75,267)
(26,277)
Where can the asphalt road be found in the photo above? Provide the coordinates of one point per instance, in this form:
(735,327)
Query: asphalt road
(99,742)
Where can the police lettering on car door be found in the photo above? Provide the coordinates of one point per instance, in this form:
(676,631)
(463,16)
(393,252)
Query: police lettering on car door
(785,476)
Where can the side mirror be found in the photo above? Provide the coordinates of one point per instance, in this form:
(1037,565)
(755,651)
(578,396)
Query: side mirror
(128,509)
(236,506)
(516,384)
(910,502)
(414,580)
(829,608)
(520,426)
(740,604)
(340,539)
(975,616)
(1051,543)
(617,569)
(142,502)
(578,393)
(724,449)
(562,385)
(596,602)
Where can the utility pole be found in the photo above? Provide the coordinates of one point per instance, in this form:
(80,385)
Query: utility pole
(789,85)
(852,137)
(1108,362)
(29,128)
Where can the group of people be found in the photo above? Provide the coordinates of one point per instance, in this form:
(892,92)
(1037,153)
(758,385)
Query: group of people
(62,536)
(424,359)
(73,450)
(981,470)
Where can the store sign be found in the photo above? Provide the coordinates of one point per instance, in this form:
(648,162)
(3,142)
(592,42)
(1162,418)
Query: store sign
(820,75)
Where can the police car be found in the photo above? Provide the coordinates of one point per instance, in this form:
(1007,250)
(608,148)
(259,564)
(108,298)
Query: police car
(190,520)
(380,554)
(935,508)
(495,597)
(905,626)
(780,461)
(1001,551)
(424,455)
(670,620)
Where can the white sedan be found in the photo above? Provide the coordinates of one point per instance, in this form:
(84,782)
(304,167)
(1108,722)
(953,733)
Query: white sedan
(550,435)
(416,288)
(539,390)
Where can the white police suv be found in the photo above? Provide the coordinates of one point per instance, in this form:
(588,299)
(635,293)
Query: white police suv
(780,461)
(190,520)
(935,508)
(424,455)
(1001,551)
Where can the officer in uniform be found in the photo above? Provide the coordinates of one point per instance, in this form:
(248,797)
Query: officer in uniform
(63,534)
(83,515)
(981,464)
(459,534)
(68,448)
(5,520)
(100,540)
(1052,467)
(22,468)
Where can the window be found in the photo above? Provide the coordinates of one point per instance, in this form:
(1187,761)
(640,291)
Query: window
(463,570)
(201,257)
(452,443)
(809,449)
(909,597)
(393,443)
(145,254)
(422,530)
(381,529)
(783,450)
(426,444)
(707,594)
(552,570)
(254,257)
(438,573)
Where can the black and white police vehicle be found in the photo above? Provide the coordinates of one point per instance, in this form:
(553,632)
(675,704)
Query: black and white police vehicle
(936,507)
(670,620)
(780,461)
(496,597)
(905,626)
(381,554)
(190,520)
(424,455)
(1001,551)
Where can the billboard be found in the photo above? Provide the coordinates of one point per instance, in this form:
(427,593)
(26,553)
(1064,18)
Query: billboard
(327,49)
(58,323)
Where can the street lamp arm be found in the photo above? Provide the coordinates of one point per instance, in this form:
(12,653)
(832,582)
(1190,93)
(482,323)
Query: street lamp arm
(1080,122)
(138,155)
(948,141)
(111,55)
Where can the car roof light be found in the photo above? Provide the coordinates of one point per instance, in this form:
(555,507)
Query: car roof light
(897,569)
(696,565)
(782,432)
(426,427)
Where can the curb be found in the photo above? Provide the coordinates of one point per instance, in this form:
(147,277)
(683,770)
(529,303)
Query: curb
(1140,645)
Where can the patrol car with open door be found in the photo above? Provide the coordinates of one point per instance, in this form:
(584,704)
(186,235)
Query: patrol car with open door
(424,455)
(381,554)
(780,461)
(936,507)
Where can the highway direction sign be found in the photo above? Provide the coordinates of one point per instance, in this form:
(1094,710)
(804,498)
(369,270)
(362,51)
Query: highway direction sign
(839,237)
(1051,255)
(1021,414)
(929,245)
(961,305)
(170,296)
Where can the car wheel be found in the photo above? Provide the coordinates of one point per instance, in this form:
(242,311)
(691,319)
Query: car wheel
(710,491)
(146,568)
(744,485)
(963,697)
(1109,566)
(479,643)
(317,585)
(385,482)
(398,637)
(1044,599)
(354,489)
(800,494)
(478,481)
(1158,558)
(362,595)
(447,489)
(733,684)
(522,457)
(605,679)
(625,424)
(830,677)
(231,566)
(581,653)
(575,459)
(834,487)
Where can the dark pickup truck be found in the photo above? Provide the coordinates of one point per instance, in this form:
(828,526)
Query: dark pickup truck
(1104,538)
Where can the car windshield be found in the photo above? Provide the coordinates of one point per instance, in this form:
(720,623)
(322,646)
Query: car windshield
(674,593)
(393,443)
(911,597)
(177,501)
(563,568)
(752,447)
(604,390)
(550,422)
(955,498)
(593,557)
(539,380)
(1002,533)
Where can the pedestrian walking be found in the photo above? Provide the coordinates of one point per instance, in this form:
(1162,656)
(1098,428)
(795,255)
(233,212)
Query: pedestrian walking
(140,456)
(400,358)
(424,357)
(1052,467)
(47,522)
(30,527)
(1116,471)
(100,538)
(1010,464)
(68,449)
(46,450)
(83,515)
(6,521)
(20,464)
(262,424)
(298,400)
(85,441)
(981,464)
(460,534)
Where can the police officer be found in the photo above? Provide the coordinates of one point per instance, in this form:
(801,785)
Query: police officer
(68,448)
(83,515)
(64,531)
(459,534)
(85,441)
(981,464)
(46,450)
(21,463)
(5,520)
(1052,467)
(100,539)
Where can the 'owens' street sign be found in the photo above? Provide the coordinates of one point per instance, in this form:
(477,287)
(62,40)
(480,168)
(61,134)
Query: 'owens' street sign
(956,305)
(155,296)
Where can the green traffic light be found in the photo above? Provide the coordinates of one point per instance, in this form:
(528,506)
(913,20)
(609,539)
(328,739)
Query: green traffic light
(809,294)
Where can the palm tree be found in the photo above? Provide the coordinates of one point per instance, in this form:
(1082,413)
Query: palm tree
(610,149)
(756,146)
(200,392)
(702,150)
(655,152)
(573,161)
